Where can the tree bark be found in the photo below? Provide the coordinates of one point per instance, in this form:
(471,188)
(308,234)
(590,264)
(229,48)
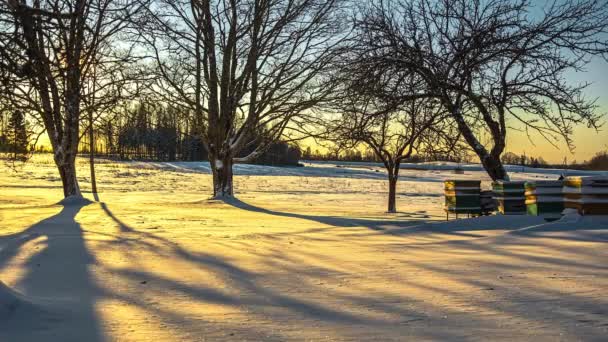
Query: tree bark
(392,193)
(67,171)
(222,177)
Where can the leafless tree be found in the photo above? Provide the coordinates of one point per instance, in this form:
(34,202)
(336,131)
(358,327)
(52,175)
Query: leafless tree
(116,79)
(388,116)
(243,67)
(492,63)
(49,51)
(394,134)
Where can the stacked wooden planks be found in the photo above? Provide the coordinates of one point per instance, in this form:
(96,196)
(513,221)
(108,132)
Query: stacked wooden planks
(510,197)
(544,198)
(462,197)
(588,195)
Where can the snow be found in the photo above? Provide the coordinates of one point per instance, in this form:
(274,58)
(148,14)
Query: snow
(9,301)
(303,253)
(74,200)
(367,170)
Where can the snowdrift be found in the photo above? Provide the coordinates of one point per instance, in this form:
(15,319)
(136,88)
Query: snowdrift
(492,222)
(75,200)
(573,221)
(528,226)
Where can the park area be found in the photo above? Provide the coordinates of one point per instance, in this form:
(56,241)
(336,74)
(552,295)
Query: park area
(302,253)
(303,170)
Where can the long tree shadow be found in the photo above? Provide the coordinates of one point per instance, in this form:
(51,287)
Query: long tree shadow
(57,282)
(337,221)
(253,295)
(407,226)
(61,241)
(261,299)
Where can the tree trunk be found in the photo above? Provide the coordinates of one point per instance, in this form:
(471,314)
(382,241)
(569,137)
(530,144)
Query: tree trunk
(493,166)
(91,153)
(490,161)
(222,177)
(67,171)
(392,193)
(92,138)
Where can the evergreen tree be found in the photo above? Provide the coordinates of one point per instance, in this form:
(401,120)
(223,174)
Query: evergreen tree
(17,135)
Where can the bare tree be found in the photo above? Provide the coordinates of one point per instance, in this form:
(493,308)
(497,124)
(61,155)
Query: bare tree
(116,78)
(390,115)
(48,51)
(492,63)
(242,66)
(393,134)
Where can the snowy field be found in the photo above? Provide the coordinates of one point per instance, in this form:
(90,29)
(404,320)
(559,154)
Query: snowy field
(305,253)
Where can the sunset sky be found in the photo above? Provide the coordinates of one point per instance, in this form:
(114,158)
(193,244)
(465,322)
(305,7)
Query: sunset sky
(588,142)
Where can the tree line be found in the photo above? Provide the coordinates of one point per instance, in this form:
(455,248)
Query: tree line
(148,131)
(598,162)
(403,78)
(141,132)
(363,154)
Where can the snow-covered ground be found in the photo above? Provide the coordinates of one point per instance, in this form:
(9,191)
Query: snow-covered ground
(305,253)
(362,169)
